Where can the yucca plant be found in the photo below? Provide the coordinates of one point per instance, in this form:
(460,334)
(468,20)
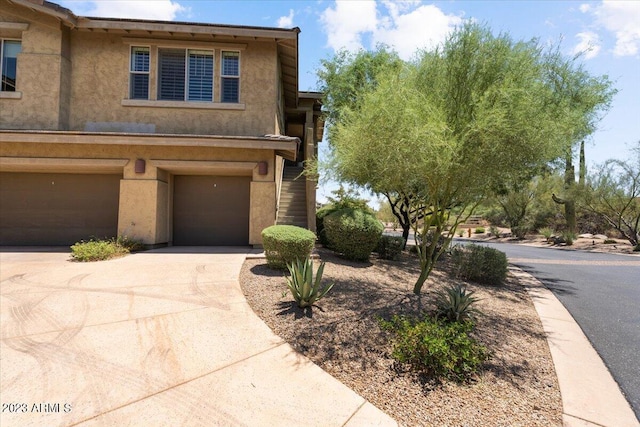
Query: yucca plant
(454,304)
(305,290)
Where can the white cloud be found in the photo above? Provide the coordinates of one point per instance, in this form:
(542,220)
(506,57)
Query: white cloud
(584,8)
(621,18)
(589,43)
(286,21)
(161,10)
(346,24)
(406,25)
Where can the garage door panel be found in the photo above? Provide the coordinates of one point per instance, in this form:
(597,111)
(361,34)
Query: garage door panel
(57,209)
(211,210)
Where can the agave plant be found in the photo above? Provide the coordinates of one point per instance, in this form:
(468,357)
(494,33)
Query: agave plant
(455,304)
(305,290)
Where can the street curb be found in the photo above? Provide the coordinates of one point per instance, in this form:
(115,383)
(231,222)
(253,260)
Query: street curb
(590,395)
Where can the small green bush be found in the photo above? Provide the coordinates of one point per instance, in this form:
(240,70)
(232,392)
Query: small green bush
(494,231)
(130,244)
(454,304)
(390,247)
(97,250)
(547,232)
(353,232)
(286,243)
(610,242)
(479,230)
(568,237)
(481,264)
(437,348)
(636,248)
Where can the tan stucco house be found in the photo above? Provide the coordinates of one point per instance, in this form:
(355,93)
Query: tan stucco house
(167,132)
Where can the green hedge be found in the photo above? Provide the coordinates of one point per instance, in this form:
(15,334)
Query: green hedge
(481,264)
(353,232)
(286,243)
(320,215)
(390,247)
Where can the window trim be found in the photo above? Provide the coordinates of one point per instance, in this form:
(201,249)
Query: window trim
(9,94)
(148,73)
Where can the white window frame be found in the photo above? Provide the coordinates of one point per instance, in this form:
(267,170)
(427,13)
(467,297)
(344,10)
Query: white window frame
(131,71)
(224,76)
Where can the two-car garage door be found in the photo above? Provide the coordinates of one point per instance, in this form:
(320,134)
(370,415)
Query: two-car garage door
(63,208)
(57,208)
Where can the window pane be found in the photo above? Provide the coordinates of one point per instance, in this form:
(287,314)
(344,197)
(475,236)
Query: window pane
(140,59)
(139,86)
(230,87)
(10,51)
(200,75)
(230,64)
(171,74)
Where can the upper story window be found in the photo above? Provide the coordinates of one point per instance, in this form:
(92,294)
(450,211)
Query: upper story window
(9,54)
(139,68)
(185,75)
(230,77)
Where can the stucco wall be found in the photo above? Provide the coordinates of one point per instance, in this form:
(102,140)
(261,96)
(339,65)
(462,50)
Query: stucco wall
(38,72)
(101,83)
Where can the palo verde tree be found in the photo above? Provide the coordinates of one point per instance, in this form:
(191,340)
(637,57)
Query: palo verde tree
(613,194)
(450,126)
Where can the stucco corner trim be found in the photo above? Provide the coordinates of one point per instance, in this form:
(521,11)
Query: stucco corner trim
(10,95)
(14,26)
(181,104)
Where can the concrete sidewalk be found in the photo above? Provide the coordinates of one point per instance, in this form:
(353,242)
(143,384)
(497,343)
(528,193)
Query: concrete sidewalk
(159,338)
(590,395)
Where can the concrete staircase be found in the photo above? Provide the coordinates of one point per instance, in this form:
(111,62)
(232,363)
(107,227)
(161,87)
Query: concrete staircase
(293,196)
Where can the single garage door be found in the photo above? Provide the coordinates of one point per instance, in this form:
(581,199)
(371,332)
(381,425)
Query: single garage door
(57,208)
(211,210)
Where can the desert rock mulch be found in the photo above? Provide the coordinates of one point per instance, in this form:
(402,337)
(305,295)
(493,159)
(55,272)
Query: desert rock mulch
(516,387)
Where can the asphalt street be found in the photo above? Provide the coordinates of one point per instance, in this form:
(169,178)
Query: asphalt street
(602,293)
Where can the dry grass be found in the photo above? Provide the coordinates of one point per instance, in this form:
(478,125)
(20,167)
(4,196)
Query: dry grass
(516,387)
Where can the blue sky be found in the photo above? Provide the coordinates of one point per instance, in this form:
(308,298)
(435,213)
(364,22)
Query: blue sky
(609,32)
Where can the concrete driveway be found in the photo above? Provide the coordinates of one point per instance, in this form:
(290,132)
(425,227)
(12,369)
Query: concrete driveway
(162,338)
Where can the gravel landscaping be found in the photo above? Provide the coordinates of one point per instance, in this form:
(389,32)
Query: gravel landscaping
(516,387)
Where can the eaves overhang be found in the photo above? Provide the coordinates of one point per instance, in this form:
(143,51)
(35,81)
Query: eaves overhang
(284,146)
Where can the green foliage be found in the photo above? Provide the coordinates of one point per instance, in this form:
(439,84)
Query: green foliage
(568,237)
(97,250)
(610,242)
(390,247)
(286,243)
(304,289)
(494,231)
(636,248)
(353,232)
(342,199)
(480,264)
(547,232)
(130,244)
(320,215)
(444,350)
(479,230)
(613,194)
(454,304)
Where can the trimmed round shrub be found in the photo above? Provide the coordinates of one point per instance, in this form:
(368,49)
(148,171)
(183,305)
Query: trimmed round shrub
(390,247)
(320,215)
(481,264)
(353,232)
(286,243)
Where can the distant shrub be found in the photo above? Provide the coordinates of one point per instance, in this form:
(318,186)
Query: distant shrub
(97,250)
(390,247)
(455,304)
(610,242)
(636,248)
(480,264)
(286,243)
(479,230)
(494,231)
(353,232)
(547,232)
(520,231)
(568,237)
(438,348)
